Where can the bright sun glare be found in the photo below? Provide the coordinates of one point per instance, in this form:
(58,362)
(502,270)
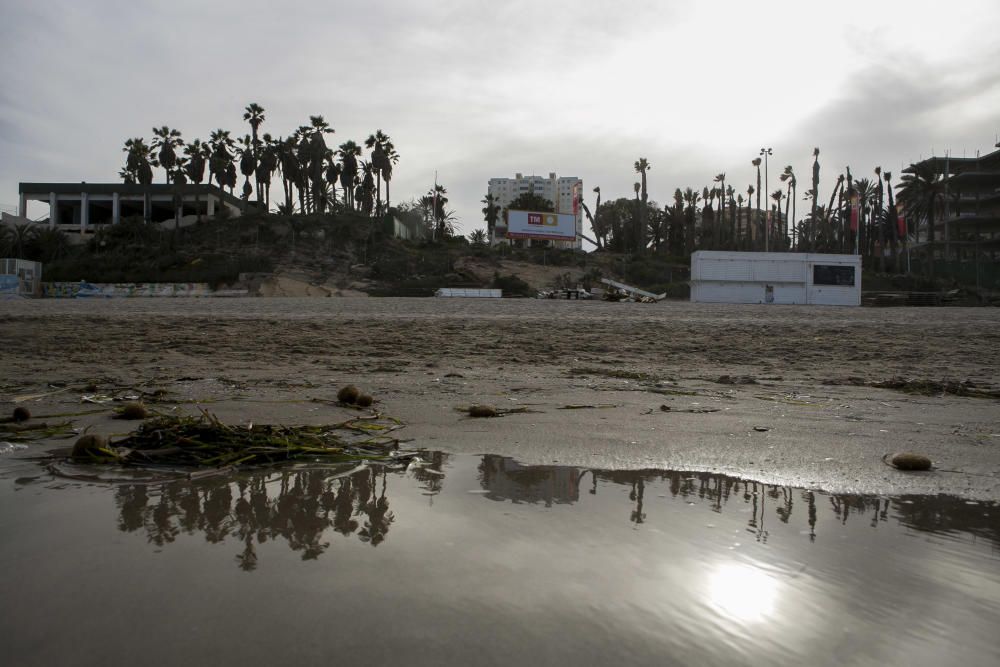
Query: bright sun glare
(742,592)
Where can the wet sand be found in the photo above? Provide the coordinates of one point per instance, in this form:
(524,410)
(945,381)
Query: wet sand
(643,379)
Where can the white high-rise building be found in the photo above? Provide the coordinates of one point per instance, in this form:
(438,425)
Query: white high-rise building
(560,191)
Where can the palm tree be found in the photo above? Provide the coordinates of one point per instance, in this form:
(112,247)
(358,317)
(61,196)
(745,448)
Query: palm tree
(348,153)
(288,163)
(381,147)
(892,218)
(815,192)
(248,165)
(600,233)
(167,141)
(21,236)
(254,114)
(721,180)
(222,158)
(866,203)
(691,198)
(7,242)
(332,175)
(879,222)
(777,196)
(707,218)
(641,167)
(366,189)
(139,163)
(756,163)
(266,166)
(312,154)
(197,154)
(675,229)
(392,157)
(438,200)
(478,237)
(920,191)
(491,212)
(788,176)
(736,219)
(48,244)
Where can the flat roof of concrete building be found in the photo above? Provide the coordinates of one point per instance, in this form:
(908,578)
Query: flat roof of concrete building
(126,189)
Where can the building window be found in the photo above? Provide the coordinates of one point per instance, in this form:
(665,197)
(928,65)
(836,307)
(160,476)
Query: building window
(827,274)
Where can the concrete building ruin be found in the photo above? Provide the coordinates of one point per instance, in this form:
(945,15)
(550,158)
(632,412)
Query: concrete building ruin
(79,207)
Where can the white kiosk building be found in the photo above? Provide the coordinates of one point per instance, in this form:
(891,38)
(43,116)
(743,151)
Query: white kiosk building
(775,277)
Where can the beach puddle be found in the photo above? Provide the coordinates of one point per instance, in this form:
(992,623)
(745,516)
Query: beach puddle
(482,560)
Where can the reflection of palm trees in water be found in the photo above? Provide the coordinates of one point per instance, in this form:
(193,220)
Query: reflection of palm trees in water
(300,506)
(379,516)
(811,502)
(785,511)
(430,478)
(638,491)
(297,506)
(756,523)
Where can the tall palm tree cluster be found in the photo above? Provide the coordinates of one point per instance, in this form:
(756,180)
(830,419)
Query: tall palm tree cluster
(859,216)
(314,176)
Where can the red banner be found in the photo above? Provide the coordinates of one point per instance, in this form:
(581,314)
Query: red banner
(901,225)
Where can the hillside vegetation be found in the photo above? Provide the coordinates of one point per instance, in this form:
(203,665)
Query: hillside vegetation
(339,251)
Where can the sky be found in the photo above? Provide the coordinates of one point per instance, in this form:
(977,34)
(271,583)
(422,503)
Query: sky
(474,90)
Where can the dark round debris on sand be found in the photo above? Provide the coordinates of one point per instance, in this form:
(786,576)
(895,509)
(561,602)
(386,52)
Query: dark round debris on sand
(364,400)
(908,461)
(87,445)
(21,414)
(132,411)
(482,411)
(348,394)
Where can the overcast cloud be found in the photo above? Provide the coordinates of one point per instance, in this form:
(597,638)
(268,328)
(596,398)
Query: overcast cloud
(476,90)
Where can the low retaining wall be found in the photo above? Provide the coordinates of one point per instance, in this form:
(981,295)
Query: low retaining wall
(82,289)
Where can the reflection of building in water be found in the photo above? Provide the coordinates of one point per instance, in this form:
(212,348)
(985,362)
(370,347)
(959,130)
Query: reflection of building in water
(505,479)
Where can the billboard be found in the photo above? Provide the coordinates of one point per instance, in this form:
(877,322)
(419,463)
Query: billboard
(536,225)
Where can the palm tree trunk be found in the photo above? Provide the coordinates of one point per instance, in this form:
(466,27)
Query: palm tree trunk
(758,222)
(793,218)
(733,213)
(930,238)
(784,227)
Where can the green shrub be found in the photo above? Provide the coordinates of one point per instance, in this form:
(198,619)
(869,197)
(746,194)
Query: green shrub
(512,285)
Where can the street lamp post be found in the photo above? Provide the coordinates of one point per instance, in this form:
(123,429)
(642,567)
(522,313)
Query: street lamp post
(767,223)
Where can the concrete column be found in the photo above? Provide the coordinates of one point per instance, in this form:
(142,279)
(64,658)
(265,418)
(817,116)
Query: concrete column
(53,209)
(84,211)
(22,206)
(116,209)
(211,206)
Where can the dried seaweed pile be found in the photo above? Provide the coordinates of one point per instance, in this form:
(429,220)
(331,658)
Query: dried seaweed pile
(207,442)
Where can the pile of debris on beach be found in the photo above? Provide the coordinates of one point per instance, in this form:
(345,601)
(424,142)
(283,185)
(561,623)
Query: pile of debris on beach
(615,291)
(205,441)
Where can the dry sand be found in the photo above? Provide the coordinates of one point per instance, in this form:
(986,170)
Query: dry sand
(641,381)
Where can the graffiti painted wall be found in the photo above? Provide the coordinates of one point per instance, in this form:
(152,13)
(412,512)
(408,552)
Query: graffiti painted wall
(84,289)
(10,287)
